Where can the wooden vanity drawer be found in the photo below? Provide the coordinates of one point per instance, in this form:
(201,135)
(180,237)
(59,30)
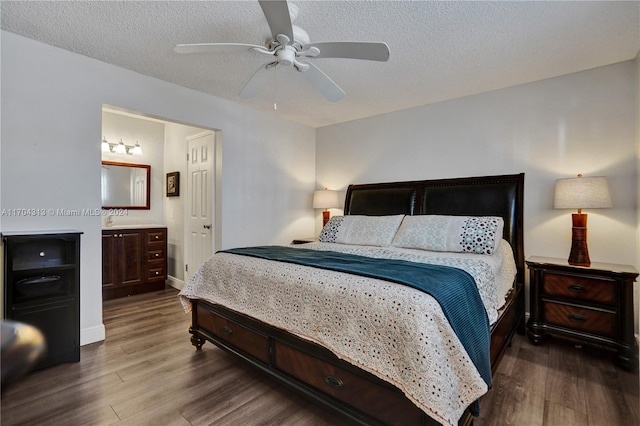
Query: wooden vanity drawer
(156,273)
(245,339)
(598,290)
(156,236)
(384,401)
(578,318)
(157,254)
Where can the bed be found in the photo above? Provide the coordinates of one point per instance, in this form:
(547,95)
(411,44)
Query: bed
(346,345)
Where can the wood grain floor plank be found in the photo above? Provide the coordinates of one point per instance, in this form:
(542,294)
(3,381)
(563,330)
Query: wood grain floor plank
(565,379)
(148,373)
(630,386)
(156,390)
(88,404)
(606,404)
(558,414)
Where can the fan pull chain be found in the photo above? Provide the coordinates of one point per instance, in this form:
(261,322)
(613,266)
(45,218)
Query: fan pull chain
(276,81)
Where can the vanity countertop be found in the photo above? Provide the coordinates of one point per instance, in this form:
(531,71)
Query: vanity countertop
(133,226)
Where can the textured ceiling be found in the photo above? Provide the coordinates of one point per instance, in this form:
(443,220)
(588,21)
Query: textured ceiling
(439,50)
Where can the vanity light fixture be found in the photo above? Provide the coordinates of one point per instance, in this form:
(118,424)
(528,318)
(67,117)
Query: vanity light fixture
(121,148)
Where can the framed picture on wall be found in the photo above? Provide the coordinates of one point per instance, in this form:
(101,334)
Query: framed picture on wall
(173,184)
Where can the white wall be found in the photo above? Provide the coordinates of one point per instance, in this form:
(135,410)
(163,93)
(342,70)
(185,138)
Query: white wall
(551,129)
(51,128)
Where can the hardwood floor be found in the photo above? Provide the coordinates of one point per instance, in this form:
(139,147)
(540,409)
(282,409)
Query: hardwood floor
(144,373)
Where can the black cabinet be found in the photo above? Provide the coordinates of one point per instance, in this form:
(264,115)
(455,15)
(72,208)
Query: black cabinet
(42,288)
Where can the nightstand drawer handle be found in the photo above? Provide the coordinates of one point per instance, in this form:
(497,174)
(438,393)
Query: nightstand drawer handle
(576,317)
(333,381)
(227,330)
(577,288)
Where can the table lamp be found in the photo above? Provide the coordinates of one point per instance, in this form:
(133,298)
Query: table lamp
(325,199)
(581,193)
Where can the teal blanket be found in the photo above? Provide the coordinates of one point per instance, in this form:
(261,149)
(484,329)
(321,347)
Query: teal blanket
(454,289)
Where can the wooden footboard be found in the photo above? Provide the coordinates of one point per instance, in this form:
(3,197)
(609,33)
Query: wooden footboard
(315,372)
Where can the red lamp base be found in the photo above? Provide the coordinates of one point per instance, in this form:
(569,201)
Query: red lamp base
(579,255)
(325,217)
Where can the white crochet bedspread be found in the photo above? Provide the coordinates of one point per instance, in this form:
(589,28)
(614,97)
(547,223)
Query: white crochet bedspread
(395,332)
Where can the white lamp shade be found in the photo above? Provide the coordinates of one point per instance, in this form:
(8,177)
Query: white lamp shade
(137,149)
(325,199)
(582,193)
(120,148)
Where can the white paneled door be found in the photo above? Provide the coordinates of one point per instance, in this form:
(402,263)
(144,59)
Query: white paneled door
(200,201)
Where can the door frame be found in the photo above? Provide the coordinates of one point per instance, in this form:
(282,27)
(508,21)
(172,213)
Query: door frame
(216,199)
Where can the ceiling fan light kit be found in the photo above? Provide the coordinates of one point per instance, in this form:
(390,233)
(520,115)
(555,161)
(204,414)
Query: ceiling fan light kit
(291,46)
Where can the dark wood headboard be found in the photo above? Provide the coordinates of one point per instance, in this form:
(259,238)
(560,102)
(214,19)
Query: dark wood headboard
(473,196)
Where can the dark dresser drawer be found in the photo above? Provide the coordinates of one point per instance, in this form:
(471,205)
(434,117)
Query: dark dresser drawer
(384,402)
(245,339)
(156,236)
(580,318)
(581,288)
(156,273)
(157,254)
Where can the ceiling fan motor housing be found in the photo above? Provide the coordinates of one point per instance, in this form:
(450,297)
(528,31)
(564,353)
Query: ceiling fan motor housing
(286,56)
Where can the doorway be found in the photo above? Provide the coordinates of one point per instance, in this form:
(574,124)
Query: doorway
(199,228)
(165,150)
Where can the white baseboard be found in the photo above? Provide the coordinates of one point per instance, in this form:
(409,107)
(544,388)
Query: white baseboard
(92,335)
(175,282)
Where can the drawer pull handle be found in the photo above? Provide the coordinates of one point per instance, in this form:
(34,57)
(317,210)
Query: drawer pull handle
(227,330)
(333,381)
(576,317)
(577,288)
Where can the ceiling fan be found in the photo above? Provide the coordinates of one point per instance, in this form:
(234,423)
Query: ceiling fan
(291,46)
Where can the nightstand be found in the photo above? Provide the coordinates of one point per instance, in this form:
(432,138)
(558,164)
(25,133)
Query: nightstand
(591,304)
(304,240)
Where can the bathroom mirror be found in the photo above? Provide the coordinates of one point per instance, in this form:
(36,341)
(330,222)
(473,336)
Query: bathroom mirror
(125,185)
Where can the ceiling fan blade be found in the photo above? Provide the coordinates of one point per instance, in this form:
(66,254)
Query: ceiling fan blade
(215,47)
(352,50)
(322,83)
(259,79)
(278,18)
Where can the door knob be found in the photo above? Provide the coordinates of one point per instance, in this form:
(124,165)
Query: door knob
(206,226)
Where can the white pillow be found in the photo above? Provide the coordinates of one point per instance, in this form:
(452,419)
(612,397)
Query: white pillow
(460,234)
(361,230)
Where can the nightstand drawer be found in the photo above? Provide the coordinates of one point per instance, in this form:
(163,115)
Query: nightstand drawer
(582,288)
(583,319)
